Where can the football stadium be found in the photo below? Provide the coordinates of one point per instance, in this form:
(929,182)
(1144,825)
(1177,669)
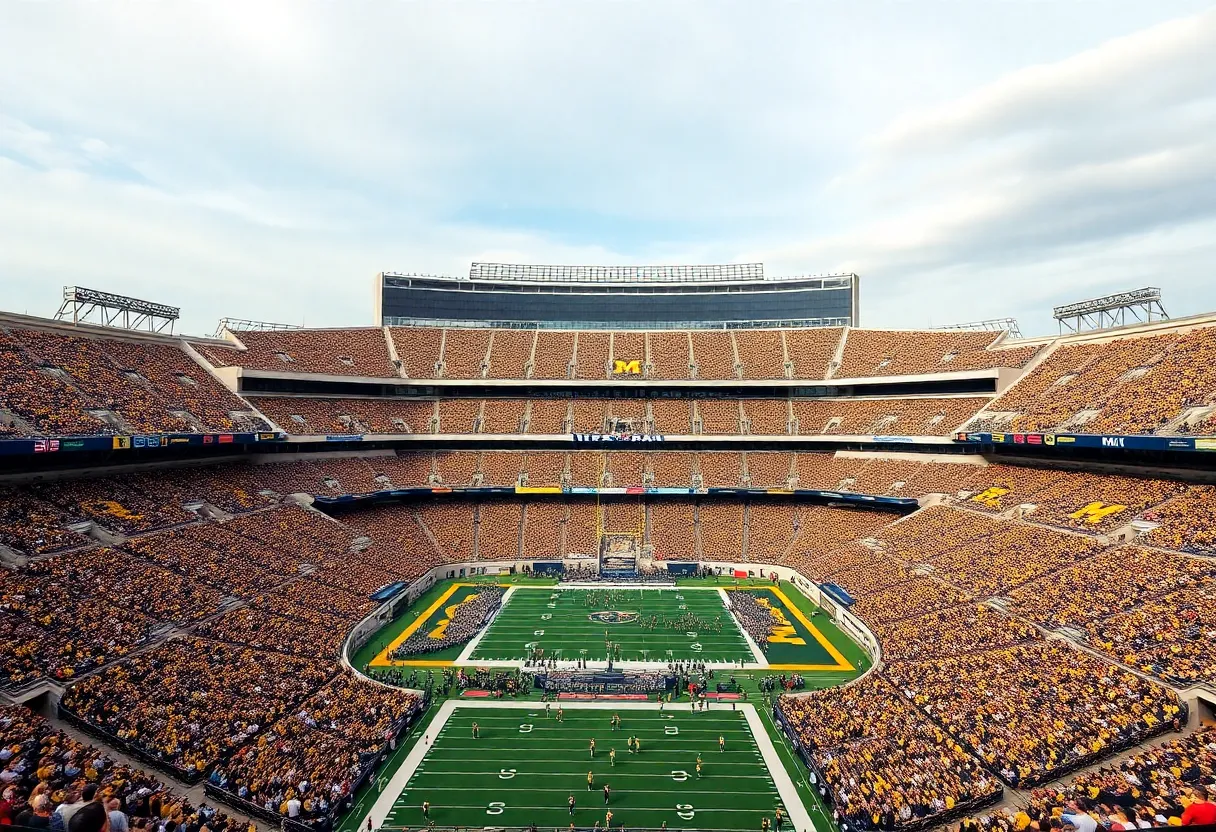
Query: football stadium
(559,547)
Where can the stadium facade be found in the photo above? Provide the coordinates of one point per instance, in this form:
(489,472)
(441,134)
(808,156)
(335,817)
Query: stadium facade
(617,297)
(271,497)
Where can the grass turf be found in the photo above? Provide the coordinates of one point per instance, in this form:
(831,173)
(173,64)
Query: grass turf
(561,623)
(516,775)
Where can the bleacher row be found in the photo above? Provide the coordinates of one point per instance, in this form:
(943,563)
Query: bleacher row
(53,384)
(1150,384)
(59,515)
(253,690)
(967,684)
(718,355)
(806,417)
(57,384)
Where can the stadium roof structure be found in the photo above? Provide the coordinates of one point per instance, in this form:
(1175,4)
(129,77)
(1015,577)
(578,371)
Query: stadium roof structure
(598,275)
(90,306)
(245,325)
(1009,325)
(1111,311)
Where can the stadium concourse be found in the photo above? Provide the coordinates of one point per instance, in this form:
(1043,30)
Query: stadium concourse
(1042,626)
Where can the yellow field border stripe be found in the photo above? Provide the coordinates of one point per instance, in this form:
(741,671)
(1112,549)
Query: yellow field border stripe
(383,660)
(841,662)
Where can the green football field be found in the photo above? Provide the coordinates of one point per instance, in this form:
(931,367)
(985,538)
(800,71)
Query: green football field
(524,767)
(688,624)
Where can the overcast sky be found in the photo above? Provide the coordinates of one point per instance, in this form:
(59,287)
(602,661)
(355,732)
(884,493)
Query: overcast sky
(265,158)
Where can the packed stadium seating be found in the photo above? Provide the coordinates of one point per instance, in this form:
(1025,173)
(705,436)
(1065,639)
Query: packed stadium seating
(305,416)
(336,352)
(544,526)
(510,353)
(900,417)
(673,529)
(197,615)
(909,417)
(884,761)
(553,354)
(1144,384)
(877,352)
(662,354)
(54,384)
(44,759)
(669,355)
(1150,787)
(950,662)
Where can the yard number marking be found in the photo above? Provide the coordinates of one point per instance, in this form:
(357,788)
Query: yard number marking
(670,730)
(695,647)
(546,616)
(506,773)
(679,776)
(538,633)
(685,811)
(526,728)
(496,808)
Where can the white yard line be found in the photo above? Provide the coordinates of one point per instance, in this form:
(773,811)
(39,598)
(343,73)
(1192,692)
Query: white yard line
(799,817)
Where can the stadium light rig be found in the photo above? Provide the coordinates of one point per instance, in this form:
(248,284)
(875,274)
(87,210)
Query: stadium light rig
(90,306)
(1141,305)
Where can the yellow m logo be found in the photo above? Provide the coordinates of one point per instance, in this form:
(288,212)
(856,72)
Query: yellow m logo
(1096,511)
(990,497)
(628,368)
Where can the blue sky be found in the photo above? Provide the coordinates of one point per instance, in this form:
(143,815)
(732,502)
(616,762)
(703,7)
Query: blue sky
(265,159)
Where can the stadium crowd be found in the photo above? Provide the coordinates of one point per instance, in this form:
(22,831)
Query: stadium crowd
(286,583)
(755,618)
(47,776)
(1155,787)
(885,763)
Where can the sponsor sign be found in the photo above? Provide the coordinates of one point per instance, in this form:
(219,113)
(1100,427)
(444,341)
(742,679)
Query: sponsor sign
(618,437)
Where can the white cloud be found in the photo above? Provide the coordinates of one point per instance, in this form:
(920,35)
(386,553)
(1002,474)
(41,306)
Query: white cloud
(266,161)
